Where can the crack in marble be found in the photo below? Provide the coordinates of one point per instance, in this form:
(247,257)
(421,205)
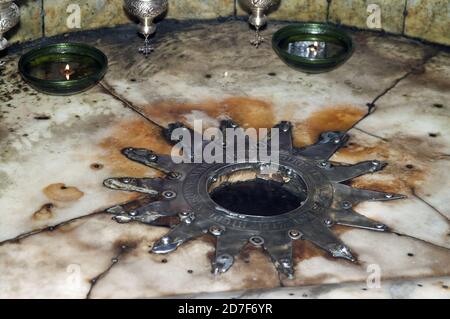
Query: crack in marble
(414,193)
(48,228)
(371,134)
(398,80)
(114,261)
(420,240)
(372,105)
(110,91)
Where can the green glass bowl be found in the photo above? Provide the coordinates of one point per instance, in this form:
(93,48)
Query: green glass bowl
(331,35)
(43,68)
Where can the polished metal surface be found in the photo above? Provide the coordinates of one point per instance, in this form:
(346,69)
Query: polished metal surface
(258,10)
(9,17)
(146,11)
(327,200)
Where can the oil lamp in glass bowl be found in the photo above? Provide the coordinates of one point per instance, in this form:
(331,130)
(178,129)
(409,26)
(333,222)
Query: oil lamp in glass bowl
(313,47)
(63,68)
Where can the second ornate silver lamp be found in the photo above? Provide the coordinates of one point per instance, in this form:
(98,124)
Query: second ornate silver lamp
(258,16)
(9,17)
(146,11)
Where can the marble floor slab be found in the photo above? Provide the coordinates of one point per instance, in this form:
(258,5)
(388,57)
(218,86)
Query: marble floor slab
(402,289)
(56,241)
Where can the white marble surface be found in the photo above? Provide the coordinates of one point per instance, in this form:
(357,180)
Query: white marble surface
(187,78)
(425,288)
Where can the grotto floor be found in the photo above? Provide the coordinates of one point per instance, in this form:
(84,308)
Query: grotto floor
(55,241)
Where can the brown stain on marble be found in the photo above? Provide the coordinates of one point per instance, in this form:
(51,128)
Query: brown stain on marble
(247,112)
(135,133)
(44,213)
(124,244)
(96,166)
(246,252)
(61,193)
(252,264)
(394,186)
(356,151)
(303,250)
(261,272)
(336,118)
(208,239)
(409,161)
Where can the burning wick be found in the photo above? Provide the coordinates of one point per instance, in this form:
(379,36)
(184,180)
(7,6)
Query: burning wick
(68,72)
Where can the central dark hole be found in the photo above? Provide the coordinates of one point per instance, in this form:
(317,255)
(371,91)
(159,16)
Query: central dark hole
(260,196)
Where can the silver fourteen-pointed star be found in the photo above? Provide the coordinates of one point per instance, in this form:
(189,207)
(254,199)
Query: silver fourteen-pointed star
(306,174)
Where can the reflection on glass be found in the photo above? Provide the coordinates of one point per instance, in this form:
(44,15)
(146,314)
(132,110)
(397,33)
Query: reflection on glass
(312,49)
(308,49)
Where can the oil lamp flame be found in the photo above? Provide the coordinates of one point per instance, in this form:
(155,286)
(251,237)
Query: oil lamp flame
(68,72)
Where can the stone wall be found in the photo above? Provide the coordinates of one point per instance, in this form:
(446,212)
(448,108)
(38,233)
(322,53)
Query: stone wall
(425,19)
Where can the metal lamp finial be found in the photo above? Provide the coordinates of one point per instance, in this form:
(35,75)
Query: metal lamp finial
(9,17)
(258,16)
(146,11)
